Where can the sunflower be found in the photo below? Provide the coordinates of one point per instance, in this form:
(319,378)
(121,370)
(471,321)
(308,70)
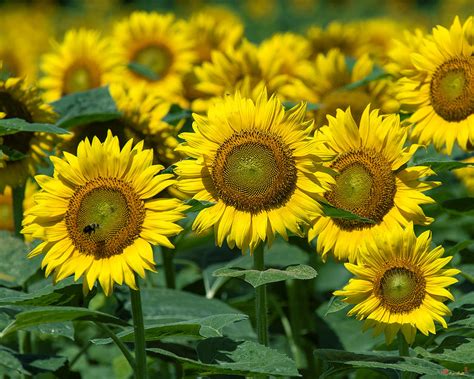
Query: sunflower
(82,61)
(245,69)
(18,100)
(335,36)
(327,80)
(256,163)
(159,46)
(371,182)
(466,175)
(442,95)
(400,285)
(97,216)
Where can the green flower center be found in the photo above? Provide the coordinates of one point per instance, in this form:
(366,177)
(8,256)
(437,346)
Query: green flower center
(253,171)
(104,217)
(401,289)
(80,77)
(156,58)
(365,186)
(452,89)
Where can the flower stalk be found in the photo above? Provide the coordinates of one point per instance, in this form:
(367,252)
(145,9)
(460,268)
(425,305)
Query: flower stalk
(139,332)
(261,298)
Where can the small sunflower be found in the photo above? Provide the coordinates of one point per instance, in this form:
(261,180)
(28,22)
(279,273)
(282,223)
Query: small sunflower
(335,36)
(255,162)
(158,43)
(466,175)
(371,182)
(97,216)
(84,60)
(326,82)
(18,100)
(442,95)
(245,69)
(400,285)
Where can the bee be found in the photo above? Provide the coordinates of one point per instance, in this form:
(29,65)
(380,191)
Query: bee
(90,228)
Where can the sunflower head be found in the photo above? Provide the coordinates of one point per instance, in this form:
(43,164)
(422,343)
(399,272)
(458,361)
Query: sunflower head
(400,285)
(97,216)
(84,60)
(18,100)
(256,162)
(371,181)
(441,92)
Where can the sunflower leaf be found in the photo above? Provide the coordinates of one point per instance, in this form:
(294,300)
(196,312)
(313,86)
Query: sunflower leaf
(222,355)
(441,166)
(257,278)
(95,105)
(335,305)
(453,349)
(47,315)
(309,106)
(334,212)
(460,205)
(376,74)
(197,205)
(143,70)
(13,155)
(17,125)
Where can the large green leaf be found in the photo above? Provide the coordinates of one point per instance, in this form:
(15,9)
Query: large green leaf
(15,267)
(454,349)
(46,315)
(17,125)
(95,105)
(334,212)
(380,360)
(443,165)
(205,327)
(143,70)
(173,305)
(12,363)
(257,278)
(225,356)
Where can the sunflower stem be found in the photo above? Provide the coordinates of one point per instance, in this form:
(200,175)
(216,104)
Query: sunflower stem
(18,195)
(261,298)
(126,353)
(139,332)
(168,266)
(403,352)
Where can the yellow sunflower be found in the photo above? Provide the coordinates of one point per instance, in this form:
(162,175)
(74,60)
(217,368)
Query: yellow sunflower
(256,163)
(442,95)
(84,60)
(18,100)
(97,215)
(335,36)
(466,175)
(245,69)
(158,44)
(326,82)
(371,182)
(400,285)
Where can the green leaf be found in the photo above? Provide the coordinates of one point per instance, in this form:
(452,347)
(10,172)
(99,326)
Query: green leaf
(143,70)
(454,349)
(467,271)
(334,212)
(335,305)
(95,105)
(225,356)
(460,205)
(380,360)
(13,155)
(197,205)
(173,305)
(441,166)
(46,315)
(206,327)
(17,125)
(458,247)
(257,278)
(178,115)
(15,267)
(9,363)
(376,74)
(309,106)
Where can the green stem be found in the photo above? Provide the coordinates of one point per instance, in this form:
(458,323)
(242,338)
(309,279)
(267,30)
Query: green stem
(79,354)
(126,353)
(18,194)
(403,352)
(139,331)
(261,298)
(168,266)
(24,341)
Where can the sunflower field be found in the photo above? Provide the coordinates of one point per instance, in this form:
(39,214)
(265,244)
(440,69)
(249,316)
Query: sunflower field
(236,189)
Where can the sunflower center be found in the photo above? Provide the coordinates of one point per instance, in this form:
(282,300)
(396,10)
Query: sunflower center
(104,217)
(401,290)
(80,78)
(335,100)
(254,171)
(156,58)
(365,185)
(452,89)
